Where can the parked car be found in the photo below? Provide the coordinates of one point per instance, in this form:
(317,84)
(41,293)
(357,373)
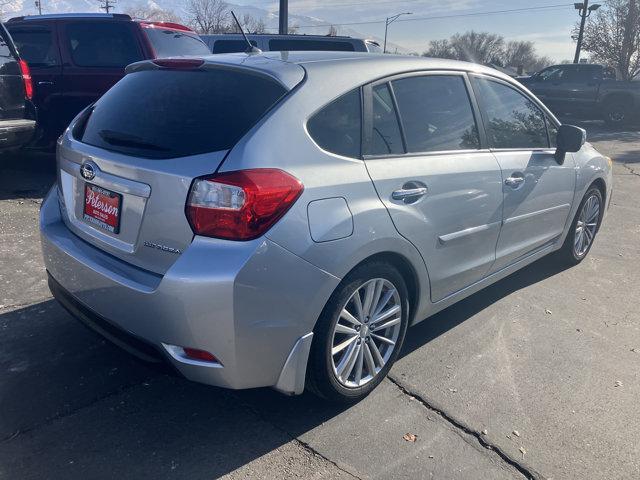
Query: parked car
(17,114)
(587,91)
(75,58)
(280,220)
(234,42)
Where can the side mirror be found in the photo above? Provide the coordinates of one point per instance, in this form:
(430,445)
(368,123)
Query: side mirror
(570,139)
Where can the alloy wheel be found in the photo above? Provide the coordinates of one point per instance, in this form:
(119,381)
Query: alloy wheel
(366,333)
(586,226)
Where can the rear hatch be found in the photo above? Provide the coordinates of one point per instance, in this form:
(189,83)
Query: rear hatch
(127,165)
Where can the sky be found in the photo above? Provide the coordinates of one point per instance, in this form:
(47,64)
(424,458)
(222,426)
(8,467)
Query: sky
(550,28)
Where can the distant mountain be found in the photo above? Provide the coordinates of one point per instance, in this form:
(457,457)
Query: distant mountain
(270,18)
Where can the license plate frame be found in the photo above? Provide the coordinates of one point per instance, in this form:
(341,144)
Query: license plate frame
(99,205)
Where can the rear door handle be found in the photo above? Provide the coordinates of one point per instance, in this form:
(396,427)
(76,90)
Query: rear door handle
(45,83)
(409,193)
(514,181)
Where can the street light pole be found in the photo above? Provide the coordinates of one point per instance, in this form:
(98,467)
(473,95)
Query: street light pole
(283,17)
(584,10)
(388,22)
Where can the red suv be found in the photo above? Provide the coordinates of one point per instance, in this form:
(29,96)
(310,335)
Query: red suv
(75,58)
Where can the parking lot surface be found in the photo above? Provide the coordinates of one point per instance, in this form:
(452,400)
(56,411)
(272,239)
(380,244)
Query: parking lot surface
(533,377)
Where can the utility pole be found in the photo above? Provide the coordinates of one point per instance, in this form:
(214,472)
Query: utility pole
(388,22)
(584,10)
(107,5)
(39,6)
(283,16)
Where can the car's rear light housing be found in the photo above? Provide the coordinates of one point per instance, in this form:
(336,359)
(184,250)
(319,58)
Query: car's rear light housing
(26,78)
(192,355)
(166,26)
(179,63)
(241,205)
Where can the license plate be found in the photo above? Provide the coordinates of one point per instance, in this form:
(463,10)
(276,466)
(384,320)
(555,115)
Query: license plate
(102,207)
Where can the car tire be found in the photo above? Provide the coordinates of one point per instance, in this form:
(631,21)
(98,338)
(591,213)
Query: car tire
(332,331)
(585,226)
(616,113)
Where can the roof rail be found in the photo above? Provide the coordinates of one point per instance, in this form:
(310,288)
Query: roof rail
(55,16)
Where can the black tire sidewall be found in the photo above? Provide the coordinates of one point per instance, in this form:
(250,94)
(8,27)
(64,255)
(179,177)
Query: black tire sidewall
(320,375)
(569,244)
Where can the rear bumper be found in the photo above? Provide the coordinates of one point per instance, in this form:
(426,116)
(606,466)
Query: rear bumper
(247,303)
(16,133)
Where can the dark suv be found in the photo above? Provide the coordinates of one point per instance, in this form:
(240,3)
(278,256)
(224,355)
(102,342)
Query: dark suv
(75,58)
(17,115)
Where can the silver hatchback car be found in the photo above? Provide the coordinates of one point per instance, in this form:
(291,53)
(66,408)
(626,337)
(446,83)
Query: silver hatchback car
(280,219)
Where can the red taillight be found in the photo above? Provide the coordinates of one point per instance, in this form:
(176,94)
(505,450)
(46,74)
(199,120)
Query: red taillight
(201,355)
(240,205)
(26,78)
(179,63)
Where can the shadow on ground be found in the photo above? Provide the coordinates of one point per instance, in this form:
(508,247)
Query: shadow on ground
(99,413)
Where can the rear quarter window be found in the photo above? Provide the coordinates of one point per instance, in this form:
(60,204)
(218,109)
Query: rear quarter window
(337,128)
(173,113)
(231,46)
(292,45)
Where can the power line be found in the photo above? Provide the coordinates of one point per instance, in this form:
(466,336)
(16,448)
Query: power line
(439,17)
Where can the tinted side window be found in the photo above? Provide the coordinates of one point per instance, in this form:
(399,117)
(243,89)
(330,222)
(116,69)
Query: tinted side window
(436,113)
(35,45)
(103,44)
(5,52)
(553,132)
(292,45)
(386,130)
(231,46)
(337,128)
(510,119)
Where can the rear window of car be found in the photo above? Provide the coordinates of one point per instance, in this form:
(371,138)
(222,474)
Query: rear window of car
(231,46)
(168,42)
(103,44)
(173,113)
(291,45)
(35,45)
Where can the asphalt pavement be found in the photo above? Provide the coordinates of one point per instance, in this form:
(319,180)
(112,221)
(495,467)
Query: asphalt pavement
(534,377)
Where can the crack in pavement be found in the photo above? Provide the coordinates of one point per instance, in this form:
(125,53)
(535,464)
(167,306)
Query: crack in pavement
(526,470)
(631,170)
(306,446)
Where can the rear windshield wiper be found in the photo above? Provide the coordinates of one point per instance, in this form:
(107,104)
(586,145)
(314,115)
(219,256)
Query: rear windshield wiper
(126,140)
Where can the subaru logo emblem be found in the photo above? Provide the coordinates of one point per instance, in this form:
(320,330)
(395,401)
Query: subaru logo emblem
(87,171)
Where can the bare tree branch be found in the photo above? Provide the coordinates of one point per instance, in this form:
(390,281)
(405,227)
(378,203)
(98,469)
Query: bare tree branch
(612,36)
(208,16)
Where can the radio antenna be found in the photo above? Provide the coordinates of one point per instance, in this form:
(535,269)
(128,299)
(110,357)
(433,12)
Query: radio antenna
(250,48)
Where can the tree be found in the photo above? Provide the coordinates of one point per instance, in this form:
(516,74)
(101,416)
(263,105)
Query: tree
(488,48)
(249,25)
(333,31)
(208,16)
(523,54)
(150,14)
(612,36)
(478,47)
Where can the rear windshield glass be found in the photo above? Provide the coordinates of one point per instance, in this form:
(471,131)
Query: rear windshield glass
(173,113)
(278,44)
(172,43)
